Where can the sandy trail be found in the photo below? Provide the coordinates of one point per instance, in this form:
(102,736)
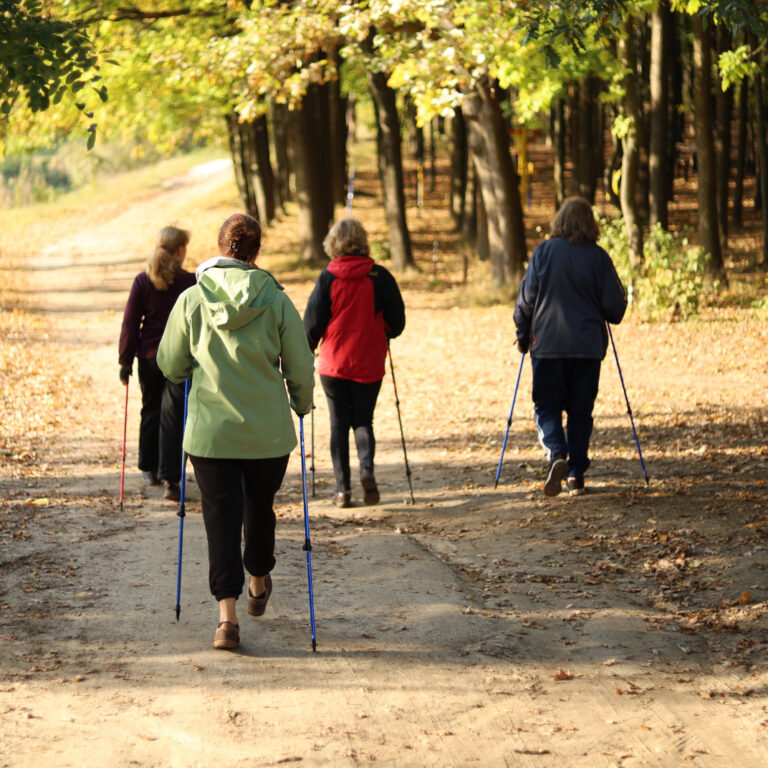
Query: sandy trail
(476,627)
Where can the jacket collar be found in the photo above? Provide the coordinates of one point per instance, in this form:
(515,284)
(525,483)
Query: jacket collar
(221,261)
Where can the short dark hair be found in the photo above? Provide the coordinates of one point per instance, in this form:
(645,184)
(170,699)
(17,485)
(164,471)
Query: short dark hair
(240,238)
(575,221)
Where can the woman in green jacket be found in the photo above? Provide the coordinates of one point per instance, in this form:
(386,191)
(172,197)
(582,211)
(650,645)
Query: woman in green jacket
(242,341)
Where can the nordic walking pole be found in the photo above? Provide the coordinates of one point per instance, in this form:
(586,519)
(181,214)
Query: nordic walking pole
(312,437)
(629,410)
(125,430)
(400,421)
(181,513)
(307,543)
(350,188)
(509,420)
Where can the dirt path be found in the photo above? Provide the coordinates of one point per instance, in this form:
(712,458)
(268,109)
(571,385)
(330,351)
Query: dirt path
(476,627)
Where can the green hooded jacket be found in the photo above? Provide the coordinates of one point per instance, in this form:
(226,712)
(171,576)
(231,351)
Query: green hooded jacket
(241,339)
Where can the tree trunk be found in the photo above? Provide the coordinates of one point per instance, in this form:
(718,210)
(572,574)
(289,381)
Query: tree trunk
(585,140)
(459,167)
(723,116)
(263,177)
(313,184)
(470,224)
(559,126)
(282,157)
(708,228)
(498,182)
(629,165)
(337,124)
(391,167)
(241,162)
(762,154)
(741,155)
(658,202)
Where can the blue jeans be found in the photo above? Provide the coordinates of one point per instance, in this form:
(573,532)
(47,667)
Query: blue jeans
(570,385)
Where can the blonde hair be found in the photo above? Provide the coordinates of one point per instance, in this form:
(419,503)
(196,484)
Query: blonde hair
(162,266)
(345,238)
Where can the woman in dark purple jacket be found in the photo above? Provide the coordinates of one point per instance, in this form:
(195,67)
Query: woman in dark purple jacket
(152,296)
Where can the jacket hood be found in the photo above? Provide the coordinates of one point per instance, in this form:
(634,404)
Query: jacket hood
(233,293)
(352,267)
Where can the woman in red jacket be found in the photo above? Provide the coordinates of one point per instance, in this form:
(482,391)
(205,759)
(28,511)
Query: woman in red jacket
(152,296)
(355,309)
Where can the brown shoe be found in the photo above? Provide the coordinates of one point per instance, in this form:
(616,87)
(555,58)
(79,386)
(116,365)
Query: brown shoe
(257,605)
(342,498)
(227,636)
(370,490)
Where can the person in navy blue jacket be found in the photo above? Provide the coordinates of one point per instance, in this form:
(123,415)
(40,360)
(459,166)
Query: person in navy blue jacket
(355,309)
(569,291)
(152,296)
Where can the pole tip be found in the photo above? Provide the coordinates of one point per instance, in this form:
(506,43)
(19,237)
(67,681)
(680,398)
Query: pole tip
(314,645)
(178,612)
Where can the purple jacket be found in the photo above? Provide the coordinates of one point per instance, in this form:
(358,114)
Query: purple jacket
(146,314)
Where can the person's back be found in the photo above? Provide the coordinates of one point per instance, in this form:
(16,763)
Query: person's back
(244,350)
(569,292)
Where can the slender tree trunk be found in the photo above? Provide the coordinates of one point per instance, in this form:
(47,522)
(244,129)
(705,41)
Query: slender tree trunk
(241,162)
(560,130)
(630,158)
(675,117)
(470,223)
(741,154)
(264,177)
(282,157)
(762,154)
(659,109)
(337,123)
(459,167)
(482,229)
(642,77)
(724,116)
(708,228)
(585,139)
(498,182)
(391,167)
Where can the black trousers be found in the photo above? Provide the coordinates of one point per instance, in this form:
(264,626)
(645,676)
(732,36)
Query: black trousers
(162,422)
(238,495)
(351,405)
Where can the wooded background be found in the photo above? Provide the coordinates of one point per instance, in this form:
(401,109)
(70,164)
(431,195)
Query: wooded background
(629,95)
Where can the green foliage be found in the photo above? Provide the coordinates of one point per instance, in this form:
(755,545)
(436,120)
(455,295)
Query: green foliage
(672,283)
(735,65)
(44,59)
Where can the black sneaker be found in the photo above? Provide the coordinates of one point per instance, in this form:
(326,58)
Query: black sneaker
(557,471)
(576,486)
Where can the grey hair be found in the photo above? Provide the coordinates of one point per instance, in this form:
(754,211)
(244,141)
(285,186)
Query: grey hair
(346,237)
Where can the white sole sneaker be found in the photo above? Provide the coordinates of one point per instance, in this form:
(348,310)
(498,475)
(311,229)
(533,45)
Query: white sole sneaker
(557,473)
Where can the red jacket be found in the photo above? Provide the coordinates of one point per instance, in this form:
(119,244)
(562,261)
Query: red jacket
(355,308)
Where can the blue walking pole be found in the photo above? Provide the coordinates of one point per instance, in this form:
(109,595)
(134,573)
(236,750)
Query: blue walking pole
(629,410)
(509,421)
(307,543)
(181,513)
